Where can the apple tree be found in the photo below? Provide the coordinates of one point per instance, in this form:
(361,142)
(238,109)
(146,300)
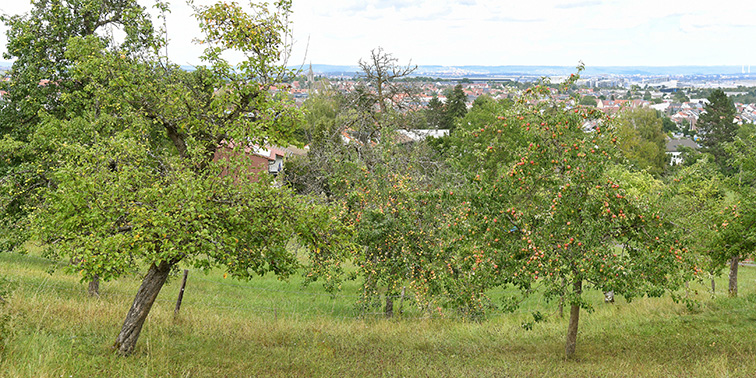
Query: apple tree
(556,218)
(385,183)
(397,217)
(145,189)
(715,209)
(695,198)
(41,87)
(736,239)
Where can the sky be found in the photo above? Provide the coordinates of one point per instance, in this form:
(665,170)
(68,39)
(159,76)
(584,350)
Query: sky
(500,32)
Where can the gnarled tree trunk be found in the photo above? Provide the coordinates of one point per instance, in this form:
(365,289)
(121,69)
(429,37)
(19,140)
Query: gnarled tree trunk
(148,292)
(734,276)
(572,328)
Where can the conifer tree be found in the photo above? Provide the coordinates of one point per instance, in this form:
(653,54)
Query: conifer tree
(455,105)
(716,127)
(435,114)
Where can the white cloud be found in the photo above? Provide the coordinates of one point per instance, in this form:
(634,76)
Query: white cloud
(578,4)
(496,32)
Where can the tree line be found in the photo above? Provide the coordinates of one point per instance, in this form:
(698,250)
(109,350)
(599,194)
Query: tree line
(109,160)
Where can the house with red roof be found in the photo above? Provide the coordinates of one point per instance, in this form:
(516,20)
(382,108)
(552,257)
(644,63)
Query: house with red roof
(253,161)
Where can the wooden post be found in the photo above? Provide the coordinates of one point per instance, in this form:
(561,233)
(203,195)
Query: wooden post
(181,294)
(713,286)
(389,310)
(401,301)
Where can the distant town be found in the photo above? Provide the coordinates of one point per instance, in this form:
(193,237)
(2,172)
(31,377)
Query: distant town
(679,92)
(680,96)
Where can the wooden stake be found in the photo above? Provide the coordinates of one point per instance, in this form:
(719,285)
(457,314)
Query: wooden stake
(181,294)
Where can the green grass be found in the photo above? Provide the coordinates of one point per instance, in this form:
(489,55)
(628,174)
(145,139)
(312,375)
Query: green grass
(269,328)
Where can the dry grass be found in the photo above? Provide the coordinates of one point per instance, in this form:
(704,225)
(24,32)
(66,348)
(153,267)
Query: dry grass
(268,328)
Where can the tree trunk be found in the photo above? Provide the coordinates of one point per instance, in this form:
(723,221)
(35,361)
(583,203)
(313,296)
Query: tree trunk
(389,306)
(94,286)
(734,276)
(560,308)
(572,329)
(148,292)
(713,286)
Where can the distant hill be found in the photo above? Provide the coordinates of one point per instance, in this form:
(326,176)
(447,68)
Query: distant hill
(473,71)
(483,71)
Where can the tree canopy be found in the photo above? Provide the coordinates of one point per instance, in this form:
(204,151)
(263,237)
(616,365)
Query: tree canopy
(137,183)
(554,213)
(123,162)
(41,75)
(42,87)
(642,140)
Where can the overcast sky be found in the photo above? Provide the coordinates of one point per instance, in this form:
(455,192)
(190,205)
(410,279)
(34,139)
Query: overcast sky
(502,32)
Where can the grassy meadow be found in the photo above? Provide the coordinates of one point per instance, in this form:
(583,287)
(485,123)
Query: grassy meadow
(271,328)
